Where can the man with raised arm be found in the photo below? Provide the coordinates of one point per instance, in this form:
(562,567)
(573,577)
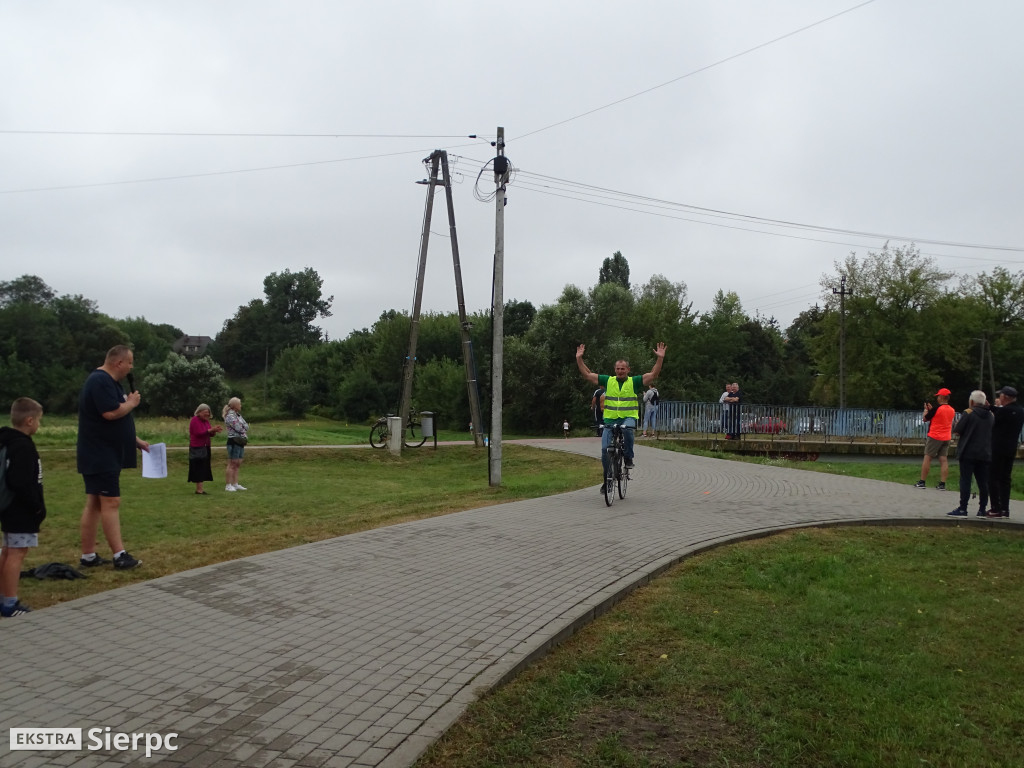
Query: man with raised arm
(620,400)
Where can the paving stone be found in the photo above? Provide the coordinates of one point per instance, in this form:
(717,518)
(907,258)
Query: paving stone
(360,650)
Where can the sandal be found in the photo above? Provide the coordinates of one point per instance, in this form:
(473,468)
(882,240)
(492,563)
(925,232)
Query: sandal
(201,493)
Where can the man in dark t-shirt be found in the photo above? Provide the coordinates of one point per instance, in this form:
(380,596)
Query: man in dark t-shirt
(106,445)
(1009,420)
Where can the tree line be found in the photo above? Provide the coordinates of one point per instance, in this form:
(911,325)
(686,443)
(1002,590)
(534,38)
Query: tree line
(909,328)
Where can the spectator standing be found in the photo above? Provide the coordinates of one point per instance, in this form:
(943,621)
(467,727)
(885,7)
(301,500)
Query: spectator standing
(597,409)
(21,517)
(238,438)
(724,401)
(1008,421)
(200,430)
(651,402)
(974,452)
(735,401)
(940,432)
(106,444)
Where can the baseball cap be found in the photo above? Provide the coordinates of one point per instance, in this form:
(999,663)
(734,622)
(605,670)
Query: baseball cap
(943,392)
(1008,391)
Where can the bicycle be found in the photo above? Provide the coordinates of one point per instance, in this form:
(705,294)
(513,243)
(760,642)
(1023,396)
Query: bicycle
(618,473)
(413,437)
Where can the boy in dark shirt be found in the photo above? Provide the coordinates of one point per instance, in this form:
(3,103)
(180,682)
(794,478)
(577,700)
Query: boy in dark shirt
(20,519)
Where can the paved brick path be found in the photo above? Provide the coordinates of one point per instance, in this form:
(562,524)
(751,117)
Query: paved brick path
(359,651)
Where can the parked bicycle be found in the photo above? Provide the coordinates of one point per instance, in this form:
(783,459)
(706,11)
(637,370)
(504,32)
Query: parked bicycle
(413,437)
(618,473)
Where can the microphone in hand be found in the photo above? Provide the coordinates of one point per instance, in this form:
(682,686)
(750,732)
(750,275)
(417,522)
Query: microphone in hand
(131,382)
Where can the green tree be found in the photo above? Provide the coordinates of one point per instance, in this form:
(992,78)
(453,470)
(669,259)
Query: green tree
(899,344)
(517,317)
(359,396)
(614,270)
(149,342)
(264,327)
(243,344)
(27,289)
(294,301)
(175,386)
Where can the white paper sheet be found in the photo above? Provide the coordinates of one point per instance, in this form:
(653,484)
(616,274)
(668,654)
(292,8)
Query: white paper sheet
(154,461)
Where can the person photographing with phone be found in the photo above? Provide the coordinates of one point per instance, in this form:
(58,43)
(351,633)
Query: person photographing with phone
(940,431)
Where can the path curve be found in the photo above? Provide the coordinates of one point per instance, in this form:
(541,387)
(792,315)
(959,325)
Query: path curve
(361,650)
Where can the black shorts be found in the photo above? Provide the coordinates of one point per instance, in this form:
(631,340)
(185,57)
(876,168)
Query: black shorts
(104,484)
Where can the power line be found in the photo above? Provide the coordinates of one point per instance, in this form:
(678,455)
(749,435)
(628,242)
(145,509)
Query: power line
(249,135)
(695,72)
(212,173)
(732,215)
(526,186)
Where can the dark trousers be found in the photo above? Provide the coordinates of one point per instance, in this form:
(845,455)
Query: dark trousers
(999,480)
(734,420)
(979,471)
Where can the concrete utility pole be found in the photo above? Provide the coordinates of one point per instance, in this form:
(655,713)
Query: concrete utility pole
(981,366)
(468,359)
(417,299)
(439,159)
(497,310)
(842,293)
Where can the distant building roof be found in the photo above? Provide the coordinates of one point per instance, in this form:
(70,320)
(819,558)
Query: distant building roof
(192,346)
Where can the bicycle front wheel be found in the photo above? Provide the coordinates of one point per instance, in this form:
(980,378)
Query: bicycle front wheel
(414,436)
(379,434)
(609,481)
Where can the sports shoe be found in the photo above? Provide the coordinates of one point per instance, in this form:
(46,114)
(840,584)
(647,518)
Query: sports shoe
(940,487)
(97,560)
(957,513)
(240,487)
(629,464)
(15,610)
(997,513)
(920,484)
(603,488)
(230,488)
(125,562)
(982,513)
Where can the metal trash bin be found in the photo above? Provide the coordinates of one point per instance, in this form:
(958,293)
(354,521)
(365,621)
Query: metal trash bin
(427,423)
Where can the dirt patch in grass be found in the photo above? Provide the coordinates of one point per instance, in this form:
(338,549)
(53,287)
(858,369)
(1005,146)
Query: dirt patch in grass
(684,736)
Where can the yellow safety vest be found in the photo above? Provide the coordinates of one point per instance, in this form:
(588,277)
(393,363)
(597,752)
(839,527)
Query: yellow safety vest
(620,400)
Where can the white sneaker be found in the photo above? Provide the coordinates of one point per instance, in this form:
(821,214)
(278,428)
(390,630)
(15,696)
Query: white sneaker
(240,487)
(230,488)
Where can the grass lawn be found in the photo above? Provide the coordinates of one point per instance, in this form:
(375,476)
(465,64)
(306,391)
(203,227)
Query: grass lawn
(295,497)
(896,472)
(833,647)
(62,432)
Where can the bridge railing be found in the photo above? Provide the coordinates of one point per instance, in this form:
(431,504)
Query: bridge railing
(787,421)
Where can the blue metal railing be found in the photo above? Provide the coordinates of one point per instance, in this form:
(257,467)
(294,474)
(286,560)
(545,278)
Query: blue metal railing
(768,421)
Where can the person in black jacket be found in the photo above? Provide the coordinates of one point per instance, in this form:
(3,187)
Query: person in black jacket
(974,452)
(20,519)
(1009,421)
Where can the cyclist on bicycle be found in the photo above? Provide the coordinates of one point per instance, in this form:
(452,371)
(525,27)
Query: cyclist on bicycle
(620,400)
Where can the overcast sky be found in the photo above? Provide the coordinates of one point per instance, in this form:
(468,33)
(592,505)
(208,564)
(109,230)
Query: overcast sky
(896,119)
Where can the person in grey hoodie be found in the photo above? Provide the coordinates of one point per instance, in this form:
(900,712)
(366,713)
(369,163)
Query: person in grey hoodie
(974,452)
